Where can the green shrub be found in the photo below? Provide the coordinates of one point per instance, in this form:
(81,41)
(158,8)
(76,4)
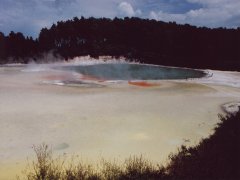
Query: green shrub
(216,157)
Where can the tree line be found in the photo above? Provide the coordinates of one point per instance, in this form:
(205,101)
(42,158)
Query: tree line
(147,41)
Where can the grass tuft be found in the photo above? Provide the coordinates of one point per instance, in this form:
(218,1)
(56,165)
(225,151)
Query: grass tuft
(216,157)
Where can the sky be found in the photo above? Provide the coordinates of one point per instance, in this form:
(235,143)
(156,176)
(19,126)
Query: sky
(30,16)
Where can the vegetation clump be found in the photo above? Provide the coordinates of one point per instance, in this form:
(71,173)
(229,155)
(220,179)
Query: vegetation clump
(216,157)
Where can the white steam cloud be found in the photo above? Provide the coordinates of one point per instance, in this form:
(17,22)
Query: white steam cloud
(126,9)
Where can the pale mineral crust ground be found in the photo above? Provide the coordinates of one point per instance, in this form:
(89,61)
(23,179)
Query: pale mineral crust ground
(98,119)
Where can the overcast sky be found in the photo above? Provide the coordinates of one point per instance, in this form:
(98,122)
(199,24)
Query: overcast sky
(29,16)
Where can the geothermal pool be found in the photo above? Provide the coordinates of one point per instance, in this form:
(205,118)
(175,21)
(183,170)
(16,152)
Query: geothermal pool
(128,71)
(95,116)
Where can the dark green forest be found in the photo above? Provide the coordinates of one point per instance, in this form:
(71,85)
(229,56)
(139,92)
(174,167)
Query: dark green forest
(147,41)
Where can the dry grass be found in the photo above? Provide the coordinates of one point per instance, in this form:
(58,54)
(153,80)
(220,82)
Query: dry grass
(216,157)
(47,168)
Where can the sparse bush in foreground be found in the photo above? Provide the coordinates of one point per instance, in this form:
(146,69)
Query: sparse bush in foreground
(215,158)
(47,168)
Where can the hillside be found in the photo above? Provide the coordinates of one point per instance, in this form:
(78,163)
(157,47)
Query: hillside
(147,41)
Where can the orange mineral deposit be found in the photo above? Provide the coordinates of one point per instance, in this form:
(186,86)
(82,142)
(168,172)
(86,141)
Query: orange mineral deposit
(142,83)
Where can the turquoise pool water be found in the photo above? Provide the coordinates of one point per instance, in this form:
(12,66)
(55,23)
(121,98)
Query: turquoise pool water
(126,71)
